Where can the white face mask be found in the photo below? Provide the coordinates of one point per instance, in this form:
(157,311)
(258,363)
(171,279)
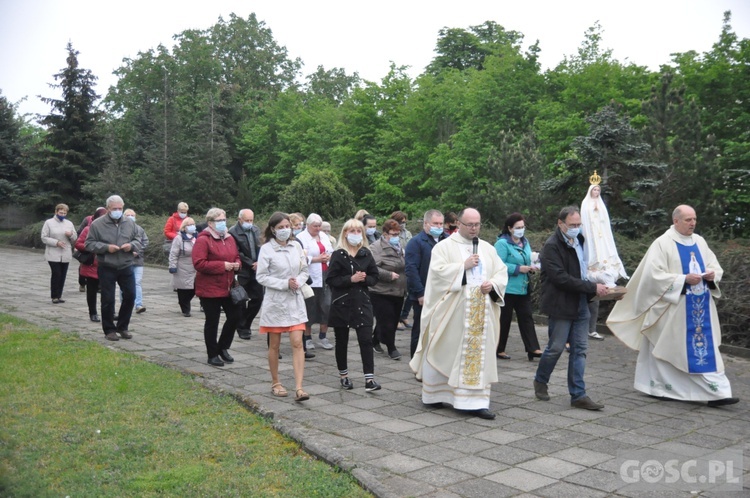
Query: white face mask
(183,215)
(518,232)
(354,239)
(283,234)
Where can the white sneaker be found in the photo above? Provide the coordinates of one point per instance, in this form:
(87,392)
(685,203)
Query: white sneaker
(309,344)
(596,335)
(325,344)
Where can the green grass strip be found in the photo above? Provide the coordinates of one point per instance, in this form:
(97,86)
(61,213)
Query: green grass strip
(78,419)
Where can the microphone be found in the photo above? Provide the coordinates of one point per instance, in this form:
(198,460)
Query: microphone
(475,243)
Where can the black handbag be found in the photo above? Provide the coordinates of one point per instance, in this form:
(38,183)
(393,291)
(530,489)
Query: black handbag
(84,257)
(238,293)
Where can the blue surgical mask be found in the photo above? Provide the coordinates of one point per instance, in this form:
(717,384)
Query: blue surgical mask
(297,231)
(115,215)
(190,229)
(220,226)
(394,241)
(371,231)
(283,234)
(246,225)
(572,233)
(131,218)
(518,232)
(354,239)
(436,231)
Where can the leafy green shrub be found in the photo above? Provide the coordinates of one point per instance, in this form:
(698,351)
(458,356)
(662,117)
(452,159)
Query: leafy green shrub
(318,191)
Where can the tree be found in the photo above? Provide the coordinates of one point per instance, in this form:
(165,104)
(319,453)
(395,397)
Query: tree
(13,176)
(71,154)
(318,191)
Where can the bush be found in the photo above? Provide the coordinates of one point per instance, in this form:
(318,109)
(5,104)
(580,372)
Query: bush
(318,191)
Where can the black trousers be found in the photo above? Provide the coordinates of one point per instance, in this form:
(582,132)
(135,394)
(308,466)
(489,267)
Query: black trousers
(57,280)
(416,324)
(212,307)
(109,278)
(522,306)
(364,337)
(247,313)
(92,291)
(387,311)
(184,296)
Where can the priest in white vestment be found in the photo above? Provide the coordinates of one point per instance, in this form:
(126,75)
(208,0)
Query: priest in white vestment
(669,315)
(455,356)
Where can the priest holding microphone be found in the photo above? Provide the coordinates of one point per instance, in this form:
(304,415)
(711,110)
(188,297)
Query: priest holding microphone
(455,357)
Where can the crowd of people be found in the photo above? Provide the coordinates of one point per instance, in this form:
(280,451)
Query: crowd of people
(460,291)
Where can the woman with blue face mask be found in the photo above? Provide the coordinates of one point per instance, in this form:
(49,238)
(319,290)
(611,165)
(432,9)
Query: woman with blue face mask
(388,294)
(59,236)
(216,260)
(515,251)
(181,265)
(352,270)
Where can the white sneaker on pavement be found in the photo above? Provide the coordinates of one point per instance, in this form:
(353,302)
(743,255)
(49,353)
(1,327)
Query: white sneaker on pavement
(325,344)
(596,335)
(309,344)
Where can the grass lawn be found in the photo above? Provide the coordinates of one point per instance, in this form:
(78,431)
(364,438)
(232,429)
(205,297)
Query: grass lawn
(77,419)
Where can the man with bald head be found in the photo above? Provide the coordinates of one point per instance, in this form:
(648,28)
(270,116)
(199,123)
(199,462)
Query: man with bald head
(247,236)
(455,355)
(670,316)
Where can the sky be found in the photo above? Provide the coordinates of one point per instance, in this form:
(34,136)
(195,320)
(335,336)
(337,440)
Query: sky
(362,37)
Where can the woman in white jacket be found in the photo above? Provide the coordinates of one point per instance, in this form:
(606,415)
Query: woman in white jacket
(282,270)
(59,236)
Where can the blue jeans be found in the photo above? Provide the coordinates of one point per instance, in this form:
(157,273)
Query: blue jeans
(575,332)
(138,274)
(108,278)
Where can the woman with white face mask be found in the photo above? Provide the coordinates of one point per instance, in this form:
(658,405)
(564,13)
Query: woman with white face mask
(181,265)
(351,271)
(282,270)
(216,260)
(515,251)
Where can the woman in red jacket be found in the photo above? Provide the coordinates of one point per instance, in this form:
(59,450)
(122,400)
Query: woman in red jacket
(90,273)
(216,260)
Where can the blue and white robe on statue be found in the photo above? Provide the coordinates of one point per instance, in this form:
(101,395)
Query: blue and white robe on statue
(678,335)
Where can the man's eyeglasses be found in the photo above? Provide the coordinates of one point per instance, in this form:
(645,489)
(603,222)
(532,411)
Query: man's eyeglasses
(470,225)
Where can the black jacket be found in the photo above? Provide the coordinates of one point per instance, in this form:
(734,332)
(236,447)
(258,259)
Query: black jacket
(248,245)
(350,302)
(561,283)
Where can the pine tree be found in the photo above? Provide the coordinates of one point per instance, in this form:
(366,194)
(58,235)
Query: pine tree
(72,152)
(12,174)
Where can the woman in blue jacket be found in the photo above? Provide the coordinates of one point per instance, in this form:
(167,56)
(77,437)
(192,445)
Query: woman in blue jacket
(515,251)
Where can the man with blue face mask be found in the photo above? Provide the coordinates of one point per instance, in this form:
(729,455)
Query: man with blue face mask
(417,256)
(247,235)
(565,294)
(114,239)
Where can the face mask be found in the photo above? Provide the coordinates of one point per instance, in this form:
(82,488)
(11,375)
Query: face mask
(247,226)
(371,231)
(297,231)
(115,215)
(220,226)
(131,218)
(183,215)
(572,233)
(190,228)
(394,241)
(283,234)
(354,239)
(60,217)
(402,225)
(436,231)
(518,232)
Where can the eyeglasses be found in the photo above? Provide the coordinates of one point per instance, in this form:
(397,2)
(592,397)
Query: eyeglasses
(470,225)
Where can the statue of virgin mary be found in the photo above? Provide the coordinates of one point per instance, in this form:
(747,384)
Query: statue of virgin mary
(604,264)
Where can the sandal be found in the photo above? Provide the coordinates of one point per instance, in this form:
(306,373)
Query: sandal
(278,390)
(301,395)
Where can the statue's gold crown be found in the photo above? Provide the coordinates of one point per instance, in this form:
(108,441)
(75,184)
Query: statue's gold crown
(595,179)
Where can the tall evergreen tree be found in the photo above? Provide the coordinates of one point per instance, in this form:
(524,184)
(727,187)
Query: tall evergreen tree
(12,174)
(72,152)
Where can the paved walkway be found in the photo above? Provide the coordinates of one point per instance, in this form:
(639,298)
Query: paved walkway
(387,439)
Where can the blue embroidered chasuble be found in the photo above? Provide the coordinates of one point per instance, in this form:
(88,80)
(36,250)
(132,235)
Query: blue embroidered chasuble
(700,344)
